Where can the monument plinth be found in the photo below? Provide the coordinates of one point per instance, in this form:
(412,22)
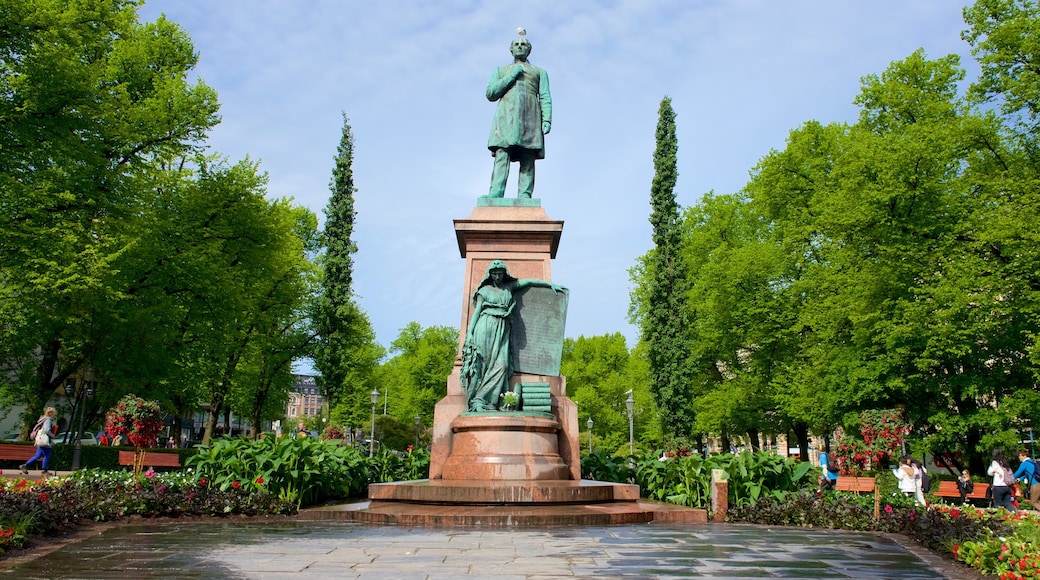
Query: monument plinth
(511,446)
(490,463)
(521,235)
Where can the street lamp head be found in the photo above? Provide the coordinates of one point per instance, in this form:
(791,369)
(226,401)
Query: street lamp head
(589,423)
(375,396)
(418,420)
(630,402)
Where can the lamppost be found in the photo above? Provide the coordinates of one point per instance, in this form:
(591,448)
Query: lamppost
(418,422)
(630,404)
(372,438)
(589,425)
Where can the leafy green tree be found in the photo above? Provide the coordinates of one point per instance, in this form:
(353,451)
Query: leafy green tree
(249,278)
(731,267)
(353,408)
(415,378)
(659,302)
(345,340)
(94,104)
(1003,37)
(264,378)
(600,371)
(881,228)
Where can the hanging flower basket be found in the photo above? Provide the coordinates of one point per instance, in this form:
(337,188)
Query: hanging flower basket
(139,421)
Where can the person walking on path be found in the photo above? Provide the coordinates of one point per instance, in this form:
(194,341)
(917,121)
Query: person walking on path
(45,430)
(1026,472)
(1000,469)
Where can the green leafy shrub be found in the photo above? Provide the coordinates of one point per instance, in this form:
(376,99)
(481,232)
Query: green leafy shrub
(14,531)
(601,466)
(1008,544)
(939,528)
(302,470)
(754,475)
(807,509)
(685,479)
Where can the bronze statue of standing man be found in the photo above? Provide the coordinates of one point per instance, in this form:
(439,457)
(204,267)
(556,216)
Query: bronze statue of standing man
(522,119)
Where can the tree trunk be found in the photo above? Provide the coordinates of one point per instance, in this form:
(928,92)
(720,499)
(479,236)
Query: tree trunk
(753,434)
(801,433)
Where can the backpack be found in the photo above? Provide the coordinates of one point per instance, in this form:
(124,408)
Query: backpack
(1009,476)
(926,482)
(36,429)
(832,464)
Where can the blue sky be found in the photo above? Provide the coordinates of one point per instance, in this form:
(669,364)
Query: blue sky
(411,76)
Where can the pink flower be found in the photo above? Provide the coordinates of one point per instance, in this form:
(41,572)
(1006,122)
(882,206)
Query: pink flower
(150,473)
(888,509)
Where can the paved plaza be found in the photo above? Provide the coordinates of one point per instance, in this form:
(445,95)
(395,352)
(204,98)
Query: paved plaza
(291,549)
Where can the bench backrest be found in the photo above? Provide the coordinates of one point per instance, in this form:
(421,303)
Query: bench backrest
(15,451)
(154,459)
(949,488)
(856,484)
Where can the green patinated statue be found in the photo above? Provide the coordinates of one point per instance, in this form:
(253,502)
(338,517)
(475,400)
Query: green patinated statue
(486,361)
(522,119)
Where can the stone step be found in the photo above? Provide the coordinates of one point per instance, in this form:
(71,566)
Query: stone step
(503,492)
(410,514)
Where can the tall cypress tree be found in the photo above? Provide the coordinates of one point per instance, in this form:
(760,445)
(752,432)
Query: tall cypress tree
(334,309)
(664,327)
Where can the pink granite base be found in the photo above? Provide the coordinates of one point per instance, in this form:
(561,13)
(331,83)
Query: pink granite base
(505,447)
(503,504)
(451,516)
(438,491)
(453,406)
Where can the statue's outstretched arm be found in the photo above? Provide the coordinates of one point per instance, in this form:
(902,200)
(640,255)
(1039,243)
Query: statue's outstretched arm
(526,282)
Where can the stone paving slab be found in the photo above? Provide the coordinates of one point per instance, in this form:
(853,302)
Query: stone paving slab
(298,549)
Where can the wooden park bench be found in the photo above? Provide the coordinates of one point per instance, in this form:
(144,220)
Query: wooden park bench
(16,451)
(948,490)
(152,459)
(860,485)
(856,484)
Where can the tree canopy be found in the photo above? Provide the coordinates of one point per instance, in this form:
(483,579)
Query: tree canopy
(127,251)
(888,263)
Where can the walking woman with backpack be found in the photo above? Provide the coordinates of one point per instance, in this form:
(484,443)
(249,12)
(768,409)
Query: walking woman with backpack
(42,434)
(1000,469)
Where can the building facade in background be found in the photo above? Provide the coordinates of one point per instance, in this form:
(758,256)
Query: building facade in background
(305,401)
